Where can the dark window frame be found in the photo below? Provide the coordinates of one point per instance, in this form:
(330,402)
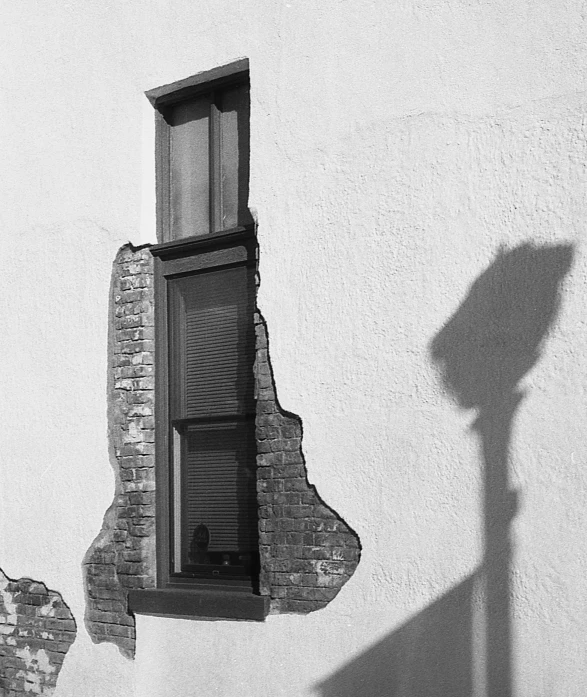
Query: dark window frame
(162,98)
(175,595)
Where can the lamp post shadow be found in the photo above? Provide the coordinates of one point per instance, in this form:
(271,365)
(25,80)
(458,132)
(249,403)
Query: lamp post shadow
(483,352)
(460,645)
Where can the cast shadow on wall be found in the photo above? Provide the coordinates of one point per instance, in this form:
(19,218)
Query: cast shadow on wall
(461,644)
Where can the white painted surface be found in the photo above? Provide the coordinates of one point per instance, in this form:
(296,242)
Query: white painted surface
(395,147)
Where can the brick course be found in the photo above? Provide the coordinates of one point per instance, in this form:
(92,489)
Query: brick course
(36,631)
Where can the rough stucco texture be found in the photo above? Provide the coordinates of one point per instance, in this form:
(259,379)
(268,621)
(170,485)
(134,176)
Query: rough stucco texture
(121,557)
(395,148)
(36,631)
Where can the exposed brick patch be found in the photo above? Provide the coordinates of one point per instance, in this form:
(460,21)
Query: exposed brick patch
(36,631)
(307,551)
(123,555)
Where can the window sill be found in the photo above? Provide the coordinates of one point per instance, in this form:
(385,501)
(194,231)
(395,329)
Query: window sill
(196,603)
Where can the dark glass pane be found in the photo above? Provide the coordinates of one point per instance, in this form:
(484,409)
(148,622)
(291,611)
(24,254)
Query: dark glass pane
(234,156)
(189,168)
(213,333)
(218,498)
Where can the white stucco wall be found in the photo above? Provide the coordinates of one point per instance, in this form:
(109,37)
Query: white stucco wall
(395,147)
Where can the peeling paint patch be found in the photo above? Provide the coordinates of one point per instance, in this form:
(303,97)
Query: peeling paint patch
(36,632)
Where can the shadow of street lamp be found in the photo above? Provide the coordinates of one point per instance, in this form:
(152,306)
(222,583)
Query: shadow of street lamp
(483,352)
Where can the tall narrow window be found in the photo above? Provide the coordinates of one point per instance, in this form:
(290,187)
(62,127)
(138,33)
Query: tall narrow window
(207,516)
(212,422)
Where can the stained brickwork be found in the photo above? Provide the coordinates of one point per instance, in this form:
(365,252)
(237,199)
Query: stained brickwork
(36,631)
(307,551)
(122,556)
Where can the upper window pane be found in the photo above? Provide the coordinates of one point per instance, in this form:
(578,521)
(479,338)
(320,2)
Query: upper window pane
(189,168)
(209,162)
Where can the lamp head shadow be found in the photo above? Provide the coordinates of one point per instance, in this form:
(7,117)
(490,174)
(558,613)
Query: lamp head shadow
(495,336)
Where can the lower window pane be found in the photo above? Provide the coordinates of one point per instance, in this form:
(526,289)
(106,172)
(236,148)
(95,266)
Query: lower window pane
(217,499)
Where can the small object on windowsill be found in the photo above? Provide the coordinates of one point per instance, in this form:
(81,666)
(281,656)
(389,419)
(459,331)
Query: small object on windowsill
(226,560)
(199,545)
